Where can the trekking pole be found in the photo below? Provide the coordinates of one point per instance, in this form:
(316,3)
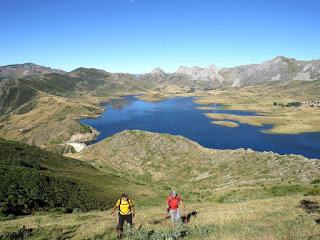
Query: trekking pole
(115,220)
(119,236)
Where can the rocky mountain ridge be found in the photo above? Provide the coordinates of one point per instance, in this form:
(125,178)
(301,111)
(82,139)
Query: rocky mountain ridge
(211,73)
(279,68)
(26,69)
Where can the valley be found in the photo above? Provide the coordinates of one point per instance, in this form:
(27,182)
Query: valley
(58,188)
(35,100)
(160,120)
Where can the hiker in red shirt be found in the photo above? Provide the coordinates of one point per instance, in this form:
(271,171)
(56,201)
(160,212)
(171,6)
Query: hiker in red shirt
(173,202)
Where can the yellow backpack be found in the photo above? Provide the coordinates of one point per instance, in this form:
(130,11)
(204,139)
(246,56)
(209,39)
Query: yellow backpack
(125,206)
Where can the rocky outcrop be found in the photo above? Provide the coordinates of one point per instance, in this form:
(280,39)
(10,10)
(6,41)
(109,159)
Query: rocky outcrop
(84,137)
(78,147)
(279,68)
(210,73)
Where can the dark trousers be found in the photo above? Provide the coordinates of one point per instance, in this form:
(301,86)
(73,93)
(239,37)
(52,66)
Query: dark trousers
(124,218)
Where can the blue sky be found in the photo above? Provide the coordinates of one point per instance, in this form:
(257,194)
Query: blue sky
(138,35)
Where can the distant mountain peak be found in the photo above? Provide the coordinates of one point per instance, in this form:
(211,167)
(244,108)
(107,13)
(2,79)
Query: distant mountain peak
(157,71)
(212,66)
(211,73)
(282,59)
(89,73)
(24,65)
(25,69)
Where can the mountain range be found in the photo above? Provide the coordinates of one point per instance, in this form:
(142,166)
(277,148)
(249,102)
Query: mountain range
(279,68)
(20,83)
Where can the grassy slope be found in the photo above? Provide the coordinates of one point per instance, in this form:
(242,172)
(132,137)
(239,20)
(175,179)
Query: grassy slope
(239,194)
(51,121)
(31,174)
(272,219)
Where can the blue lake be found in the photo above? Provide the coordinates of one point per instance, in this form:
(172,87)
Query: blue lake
(180,116)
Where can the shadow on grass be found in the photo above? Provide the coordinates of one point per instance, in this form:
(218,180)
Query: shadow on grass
(311,207)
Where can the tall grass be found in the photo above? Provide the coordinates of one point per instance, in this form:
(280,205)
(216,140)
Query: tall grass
(272,219)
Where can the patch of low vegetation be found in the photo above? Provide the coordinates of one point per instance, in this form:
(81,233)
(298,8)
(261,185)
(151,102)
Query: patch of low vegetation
(179,232)
(20,234)
(313,192)
(289,104)
(316,181)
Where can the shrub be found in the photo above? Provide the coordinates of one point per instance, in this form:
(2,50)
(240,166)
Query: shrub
(313,192)
(316,181)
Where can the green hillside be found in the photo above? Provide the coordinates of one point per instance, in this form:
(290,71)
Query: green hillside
(32,179)
(238,194)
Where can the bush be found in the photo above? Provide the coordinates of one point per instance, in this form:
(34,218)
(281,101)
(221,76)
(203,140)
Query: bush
(313,192)
(293,104)
(23,192)
(316,181)
(22,233)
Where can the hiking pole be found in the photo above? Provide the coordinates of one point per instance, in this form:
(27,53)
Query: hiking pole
(117,226)
(115,220)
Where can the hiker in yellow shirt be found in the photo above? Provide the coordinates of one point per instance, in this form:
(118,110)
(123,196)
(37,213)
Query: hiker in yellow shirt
(126,212)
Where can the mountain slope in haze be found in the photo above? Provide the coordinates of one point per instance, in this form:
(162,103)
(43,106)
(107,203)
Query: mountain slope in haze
(20,84)
(14,92)
(25,69)
(185,164)
(279,68)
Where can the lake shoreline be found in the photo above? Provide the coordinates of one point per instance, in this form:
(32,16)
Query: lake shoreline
(192,101)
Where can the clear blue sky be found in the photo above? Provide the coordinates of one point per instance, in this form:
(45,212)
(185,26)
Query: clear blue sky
(138,35)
